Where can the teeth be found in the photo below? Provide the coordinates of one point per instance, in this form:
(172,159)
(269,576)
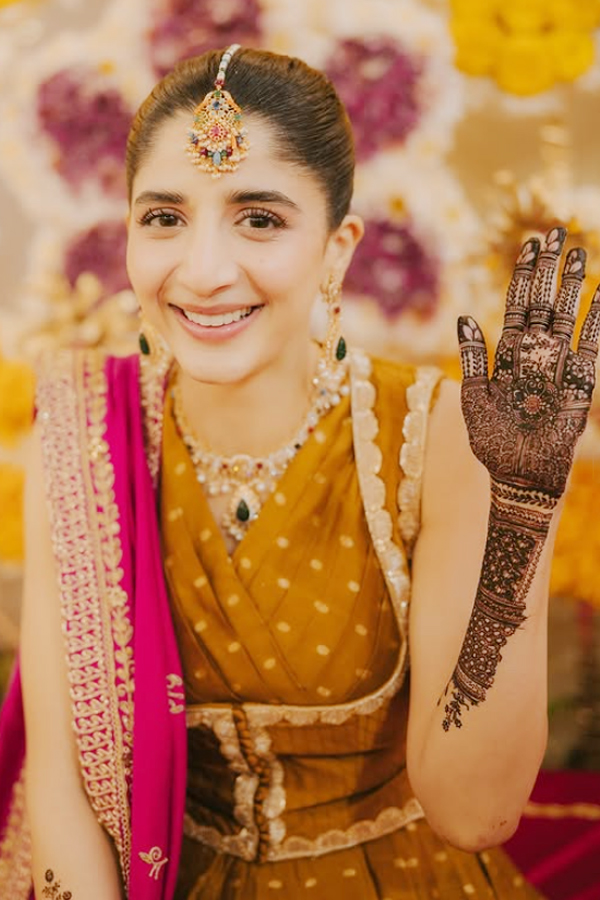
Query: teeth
(220,319)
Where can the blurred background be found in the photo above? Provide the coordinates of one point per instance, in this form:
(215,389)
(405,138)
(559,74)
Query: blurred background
(476,124)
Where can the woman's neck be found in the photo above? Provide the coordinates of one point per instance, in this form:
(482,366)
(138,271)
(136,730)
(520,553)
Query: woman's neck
(256,416)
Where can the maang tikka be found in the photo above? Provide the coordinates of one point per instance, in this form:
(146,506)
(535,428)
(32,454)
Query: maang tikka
(217,140)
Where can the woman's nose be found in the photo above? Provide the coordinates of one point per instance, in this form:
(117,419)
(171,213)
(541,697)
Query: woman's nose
(207,265)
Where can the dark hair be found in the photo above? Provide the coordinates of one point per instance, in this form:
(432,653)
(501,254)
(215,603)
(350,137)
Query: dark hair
(308,119)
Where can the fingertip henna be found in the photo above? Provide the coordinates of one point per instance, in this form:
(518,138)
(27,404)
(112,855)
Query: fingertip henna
(554,240)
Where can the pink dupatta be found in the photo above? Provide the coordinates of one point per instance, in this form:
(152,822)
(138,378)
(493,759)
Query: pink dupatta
(101,438)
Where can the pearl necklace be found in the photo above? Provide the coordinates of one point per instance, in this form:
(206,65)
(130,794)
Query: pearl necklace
(249,480)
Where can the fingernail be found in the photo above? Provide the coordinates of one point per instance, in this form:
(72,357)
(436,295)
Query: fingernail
(555,239)
(575,262)
(529,253)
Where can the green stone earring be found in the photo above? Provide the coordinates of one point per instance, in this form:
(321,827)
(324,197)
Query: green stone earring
(335,344)
(144,345)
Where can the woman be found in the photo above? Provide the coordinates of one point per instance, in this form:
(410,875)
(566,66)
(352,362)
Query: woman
(232,523)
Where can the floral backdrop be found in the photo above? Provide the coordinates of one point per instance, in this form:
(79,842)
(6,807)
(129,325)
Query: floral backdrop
(473,129)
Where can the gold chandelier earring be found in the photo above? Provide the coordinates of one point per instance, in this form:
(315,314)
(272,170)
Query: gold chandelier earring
(335,344)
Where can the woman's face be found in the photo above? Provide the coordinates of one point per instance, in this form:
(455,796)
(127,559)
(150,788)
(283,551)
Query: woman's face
(227,269)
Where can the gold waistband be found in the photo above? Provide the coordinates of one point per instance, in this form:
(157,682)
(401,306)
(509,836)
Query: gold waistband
(248,843)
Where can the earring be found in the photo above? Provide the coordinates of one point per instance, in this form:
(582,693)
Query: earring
(335,344)
(155,354)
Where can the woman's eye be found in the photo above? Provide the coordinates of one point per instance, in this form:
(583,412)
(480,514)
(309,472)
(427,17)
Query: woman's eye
(160,218)
(261,219)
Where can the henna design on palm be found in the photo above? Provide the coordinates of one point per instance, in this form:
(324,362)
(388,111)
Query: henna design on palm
(523,425)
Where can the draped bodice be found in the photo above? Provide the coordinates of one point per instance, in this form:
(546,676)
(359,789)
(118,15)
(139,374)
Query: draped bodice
(293,648)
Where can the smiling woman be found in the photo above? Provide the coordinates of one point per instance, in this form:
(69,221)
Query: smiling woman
(215,693)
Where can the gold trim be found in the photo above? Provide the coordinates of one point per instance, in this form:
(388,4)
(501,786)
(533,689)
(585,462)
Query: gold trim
(389,820)
(98,633)
(245,843)
(588,811)
(154,372)
(412,452)
(15,848)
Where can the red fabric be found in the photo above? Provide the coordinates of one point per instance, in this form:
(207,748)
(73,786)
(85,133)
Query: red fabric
(557,845)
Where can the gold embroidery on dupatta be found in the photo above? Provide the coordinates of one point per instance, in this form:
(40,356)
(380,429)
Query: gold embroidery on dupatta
(154,371)
(412,453)
(85,527)
(260,716)
(15,848)
(175,694)
(156,860)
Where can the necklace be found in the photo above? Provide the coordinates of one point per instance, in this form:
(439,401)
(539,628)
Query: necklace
(249,480)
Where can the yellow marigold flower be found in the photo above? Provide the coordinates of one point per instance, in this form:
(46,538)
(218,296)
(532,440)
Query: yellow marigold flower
(573,53)
(11,521)
(526,45)
(17,387)
(477,46)
(524,65)
(473,9)
(574,15)
(521,17)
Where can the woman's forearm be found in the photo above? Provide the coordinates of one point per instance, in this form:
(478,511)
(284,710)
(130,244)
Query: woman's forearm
(485,738)
(73,858)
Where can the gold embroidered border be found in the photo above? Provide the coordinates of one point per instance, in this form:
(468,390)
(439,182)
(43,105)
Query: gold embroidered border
(154,372)
(15,848)
(84,518)
(412,453)
(389,820)
(588,811)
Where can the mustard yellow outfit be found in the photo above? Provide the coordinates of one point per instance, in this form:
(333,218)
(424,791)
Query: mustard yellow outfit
(294,659)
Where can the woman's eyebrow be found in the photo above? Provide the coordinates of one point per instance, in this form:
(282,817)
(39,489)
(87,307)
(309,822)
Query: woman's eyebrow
(160,197)
(241,197)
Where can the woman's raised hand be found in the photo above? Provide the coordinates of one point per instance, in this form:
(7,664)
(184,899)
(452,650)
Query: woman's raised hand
(524,422)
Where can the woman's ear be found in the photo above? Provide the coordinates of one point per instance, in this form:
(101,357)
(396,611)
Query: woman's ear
(341,245)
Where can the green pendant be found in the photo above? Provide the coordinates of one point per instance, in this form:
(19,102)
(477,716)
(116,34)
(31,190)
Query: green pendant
(242,512)
(144,345)
(341,349)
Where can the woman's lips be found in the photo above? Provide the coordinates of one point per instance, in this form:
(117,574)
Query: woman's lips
(217,332)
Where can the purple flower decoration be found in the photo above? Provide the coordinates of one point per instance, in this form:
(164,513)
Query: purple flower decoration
(391,266)
(378,82)
(101,251)
(188,27)
(89,123)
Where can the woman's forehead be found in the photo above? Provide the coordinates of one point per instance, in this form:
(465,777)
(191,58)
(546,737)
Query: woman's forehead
(166,164)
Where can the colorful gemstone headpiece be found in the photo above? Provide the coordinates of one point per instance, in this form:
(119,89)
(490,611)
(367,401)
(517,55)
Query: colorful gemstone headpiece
(217,140)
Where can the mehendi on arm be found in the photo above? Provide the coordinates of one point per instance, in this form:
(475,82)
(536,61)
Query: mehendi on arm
(523,426)
(52,889)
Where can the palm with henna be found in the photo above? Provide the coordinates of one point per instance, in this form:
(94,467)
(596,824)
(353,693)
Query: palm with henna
(523,425)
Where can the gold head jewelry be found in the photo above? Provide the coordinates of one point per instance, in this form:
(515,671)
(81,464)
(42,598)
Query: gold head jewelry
(217,140)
